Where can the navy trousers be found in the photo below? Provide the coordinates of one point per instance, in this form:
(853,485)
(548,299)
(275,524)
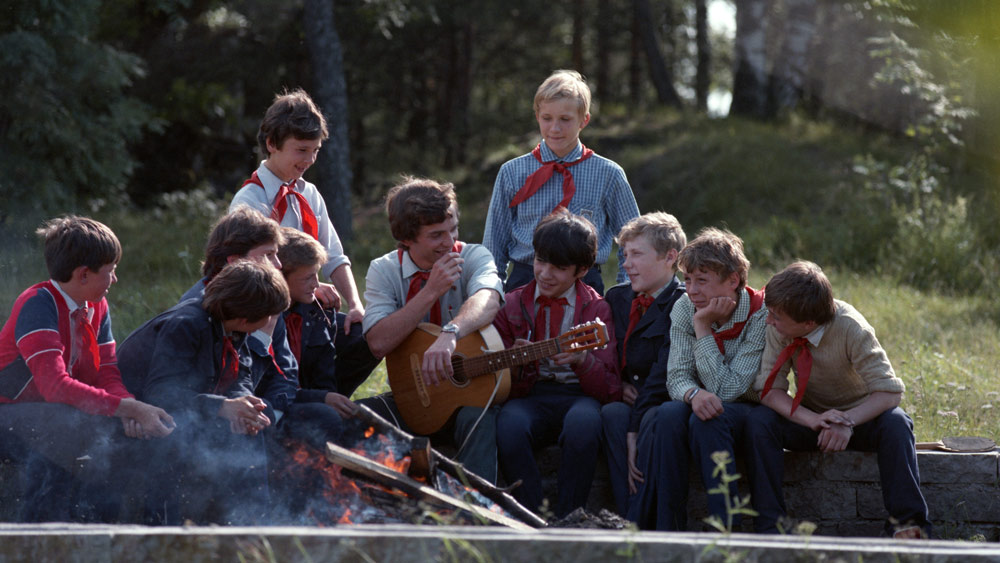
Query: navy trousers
(666,447)
(890,435)
(551,412)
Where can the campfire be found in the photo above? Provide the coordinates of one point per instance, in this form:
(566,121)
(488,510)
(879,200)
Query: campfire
(388,476)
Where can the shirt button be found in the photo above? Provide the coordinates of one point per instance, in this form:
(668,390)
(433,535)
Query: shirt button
(635,378)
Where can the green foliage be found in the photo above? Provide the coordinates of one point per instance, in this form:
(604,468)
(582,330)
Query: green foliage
(65,120)
(739,506)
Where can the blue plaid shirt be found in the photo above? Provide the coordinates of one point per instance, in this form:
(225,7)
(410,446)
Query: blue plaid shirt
(602,195)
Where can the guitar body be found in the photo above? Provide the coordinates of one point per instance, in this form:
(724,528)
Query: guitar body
(426,408)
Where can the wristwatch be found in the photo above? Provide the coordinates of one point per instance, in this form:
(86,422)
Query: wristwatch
(450,327)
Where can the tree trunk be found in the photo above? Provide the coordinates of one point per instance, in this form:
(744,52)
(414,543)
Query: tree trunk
(605,29)
(787,80)
(578,15)
(635,65)
(750,74)
(702,79)
(330,93)
(454,116)
(658,71)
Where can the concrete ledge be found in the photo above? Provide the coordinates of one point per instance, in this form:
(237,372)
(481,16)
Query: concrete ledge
(82,543)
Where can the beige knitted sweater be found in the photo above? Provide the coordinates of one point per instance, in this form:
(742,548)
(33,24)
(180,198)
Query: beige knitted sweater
(848,363)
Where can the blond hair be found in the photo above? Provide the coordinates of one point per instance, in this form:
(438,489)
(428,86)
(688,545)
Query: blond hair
(564,84)
(662,230)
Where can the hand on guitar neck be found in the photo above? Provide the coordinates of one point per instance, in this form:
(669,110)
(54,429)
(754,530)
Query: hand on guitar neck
(571,359)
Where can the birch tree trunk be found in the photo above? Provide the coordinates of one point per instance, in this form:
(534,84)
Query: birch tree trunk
(750,52)
(787,81)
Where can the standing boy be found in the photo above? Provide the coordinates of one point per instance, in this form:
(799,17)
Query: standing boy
(559,396)
(716,339)
(290,135)
(60,388)
(433,277)
(847,397)
(559,172)
(641,310)
(194,361)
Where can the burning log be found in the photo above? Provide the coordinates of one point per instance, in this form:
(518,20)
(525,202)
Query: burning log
(383,475)
(453,468)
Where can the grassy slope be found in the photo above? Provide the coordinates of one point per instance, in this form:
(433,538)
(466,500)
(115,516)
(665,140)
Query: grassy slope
(787,190)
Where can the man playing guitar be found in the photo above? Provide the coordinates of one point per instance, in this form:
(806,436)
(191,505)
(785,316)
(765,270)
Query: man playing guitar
(433,277)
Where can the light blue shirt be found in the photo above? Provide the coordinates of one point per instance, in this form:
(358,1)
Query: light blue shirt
(602,195)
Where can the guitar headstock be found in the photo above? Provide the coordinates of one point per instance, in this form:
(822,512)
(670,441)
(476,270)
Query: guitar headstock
(588,336)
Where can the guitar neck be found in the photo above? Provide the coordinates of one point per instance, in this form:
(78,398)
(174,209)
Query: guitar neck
(494,361)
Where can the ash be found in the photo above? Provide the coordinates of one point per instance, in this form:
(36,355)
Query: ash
(580,518)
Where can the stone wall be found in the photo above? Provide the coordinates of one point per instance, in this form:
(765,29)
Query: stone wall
(840,492)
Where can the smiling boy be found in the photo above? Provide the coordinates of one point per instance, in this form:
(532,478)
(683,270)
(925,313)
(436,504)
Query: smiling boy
(641,310)
(559,172)
(847,397)
(716,339)
(433,277)
(558,397)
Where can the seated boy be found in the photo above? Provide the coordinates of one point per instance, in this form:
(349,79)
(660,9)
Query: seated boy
(560,172)
(290,136)
(641,310)
(194,361)
(716,339)
(311,329)
(433,277)
(561,396)
(847,397)
(60,388)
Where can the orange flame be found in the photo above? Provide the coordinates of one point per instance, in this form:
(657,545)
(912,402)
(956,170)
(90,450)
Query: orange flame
(369,432)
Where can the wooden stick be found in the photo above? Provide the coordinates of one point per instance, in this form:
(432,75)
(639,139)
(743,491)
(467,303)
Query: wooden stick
(385,476)
(456,470)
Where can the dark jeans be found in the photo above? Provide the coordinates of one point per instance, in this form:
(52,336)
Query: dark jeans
(553,411)
(521,274)
(355,361)
(677,437)
(72,466)
(890,435)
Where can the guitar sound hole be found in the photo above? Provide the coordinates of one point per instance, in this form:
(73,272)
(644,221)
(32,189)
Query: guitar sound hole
(458,371)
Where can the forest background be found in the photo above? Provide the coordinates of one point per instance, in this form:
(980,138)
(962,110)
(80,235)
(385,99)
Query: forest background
(862,135)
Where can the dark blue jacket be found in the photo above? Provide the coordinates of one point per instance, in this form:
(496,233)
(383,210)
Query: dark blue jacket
(174,361)
(648,347)
(275,371)
(318,353)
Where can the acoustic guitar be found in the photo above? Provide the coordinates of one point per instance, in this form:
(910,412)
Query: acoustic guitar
(480,363)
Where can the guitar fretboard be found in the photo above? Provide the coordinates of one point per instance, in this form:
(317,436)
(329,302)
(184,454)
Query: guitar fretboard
(491,362)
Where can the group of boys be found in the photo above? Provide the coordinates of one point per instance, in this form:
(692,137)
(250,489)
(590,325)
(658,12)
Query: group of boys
(251,356)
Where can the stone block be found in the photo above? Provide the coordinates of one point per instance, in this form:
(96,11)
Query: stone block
(969,503)
(821,502)
(941,467)
(801,466)
(848,466)
(870,504)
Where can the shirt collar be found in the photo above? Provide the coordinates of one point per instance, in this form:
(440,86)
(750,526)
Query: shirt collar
(548,155)
(569,294)
(271,182)
(70,303)
(816,335)
(408,266)
(656,294)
